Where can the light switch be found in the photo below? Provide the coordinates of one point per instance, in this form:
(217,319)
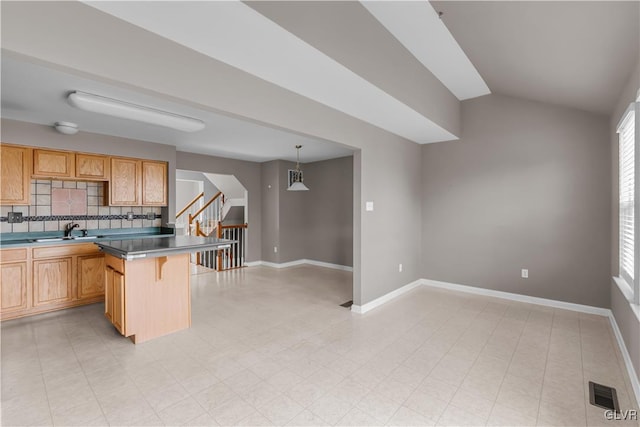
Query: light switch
(369,206)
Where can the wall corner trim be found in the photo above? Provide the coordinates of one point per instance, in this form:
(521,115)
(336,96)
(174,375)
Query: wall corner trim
(635,381)
(361,309)
(299,262)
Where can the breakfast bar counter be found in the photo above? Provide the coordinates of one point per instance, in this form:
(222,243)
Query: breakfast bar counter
(147,283)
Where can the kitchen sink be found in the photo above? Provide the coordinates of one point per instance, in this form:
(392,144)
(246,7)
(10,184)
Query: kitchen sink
(60,239)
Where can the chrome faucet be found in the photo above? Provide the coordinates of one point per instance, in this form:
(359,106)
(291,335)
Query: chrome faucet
(69,228)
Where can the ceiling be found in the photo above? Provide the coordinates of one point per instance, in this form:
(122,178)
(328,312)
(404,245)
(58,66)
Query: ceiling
(37,94)
(576,53)
(573,53)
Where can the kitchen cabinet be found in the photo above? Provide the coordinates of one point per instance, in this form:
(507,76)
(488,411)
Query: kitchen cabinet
(46,278)
(137,182)
(52,281)
(114,303)
(92,167)
(125,183)
(90,276)
(14,272)
(53,164)
(154,183)
(148,297)
(15,166)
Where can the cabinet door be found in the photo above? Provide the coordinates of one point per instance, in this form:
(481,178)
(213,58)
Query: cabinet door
(108,293)
(118,302)
(154,183)
(50,164)
(124,185)
(13,285)
(15,166)
(52,281)
(90,276)
(90,166)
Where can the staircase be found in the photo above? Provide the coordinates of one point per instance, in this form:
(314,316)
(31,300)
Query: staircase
(208,221)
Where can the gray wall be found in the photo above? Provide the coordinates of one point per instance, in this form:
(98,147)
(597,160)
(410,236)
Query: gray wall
(270,210)
(248,173)
(31,134)
(328,211)
(316,224)
(527,186)
(209,189)
(386,162)
(627,321)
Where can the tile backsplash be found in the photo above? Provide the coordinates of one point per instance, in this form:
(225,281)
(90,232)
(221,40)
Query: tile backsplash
(97,216)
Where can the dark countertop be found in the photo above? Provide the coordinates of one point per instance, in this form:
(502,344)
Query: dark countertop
(14,240)
(130,249)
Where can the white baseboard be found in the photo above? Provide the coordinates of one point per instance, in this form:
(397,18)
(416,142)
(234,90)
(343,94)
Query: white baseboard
(635,382)
(361,309)
(299,262)
(517,297)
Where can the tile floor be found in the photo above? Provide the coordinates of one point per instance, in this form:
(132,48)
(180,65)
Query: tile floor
(273,347)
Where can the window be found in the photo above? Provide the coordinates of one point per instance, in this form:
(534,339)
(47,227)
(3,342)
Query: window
(627,133)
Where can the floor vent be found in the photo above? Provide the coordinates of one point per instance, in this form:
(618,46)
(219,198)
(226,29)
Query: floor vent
(603,396)
(347,304)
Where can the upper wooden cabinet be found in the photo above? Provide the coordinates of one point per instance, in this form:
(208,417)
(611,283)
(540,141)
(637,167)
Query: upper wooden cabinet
(137,182)
(125,184)
(15,166)
(53,164)
(154,183)
(92,167)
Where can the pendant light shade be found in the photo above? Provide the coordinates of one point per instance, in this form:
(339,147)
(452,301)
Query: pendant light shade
(297,184)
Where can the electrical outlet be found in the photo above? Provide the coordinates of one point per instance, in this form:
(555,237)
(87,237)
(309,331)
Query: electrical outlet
(368,206)
(151,216)
(129,216)
(275,249)
(14,217)
(399,268)
(525,273)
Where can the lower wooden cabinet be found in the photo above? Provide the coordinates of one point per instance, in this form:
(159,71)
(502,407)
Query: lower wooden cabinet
(90,276)
(52,281)
(114,302)
(13,284)
(40,279)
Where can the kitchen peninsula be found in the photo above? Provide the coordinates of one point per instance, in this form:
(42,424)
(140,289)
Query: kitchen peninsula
(147,292)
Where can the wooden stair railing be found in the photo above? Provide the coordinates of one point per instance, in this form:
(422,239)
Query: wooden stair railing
(233,257)
(191,203)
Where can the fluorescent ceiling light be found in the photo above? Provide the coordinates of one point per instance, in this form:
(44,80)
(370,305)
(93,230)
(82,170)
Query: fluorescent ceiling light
(126,110)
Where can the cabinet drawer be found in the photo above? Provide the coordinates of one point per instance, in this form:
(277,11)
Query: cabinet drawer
(8,255)
(70,249)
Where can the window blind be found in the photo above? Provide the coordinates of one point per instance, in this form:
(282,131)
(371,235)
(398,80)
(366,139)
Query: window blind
(627,196)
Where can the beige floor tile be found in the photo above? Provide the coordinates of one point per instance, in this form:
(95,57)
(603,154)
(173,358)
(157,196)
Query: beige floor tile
(330,408)
(378,406)
(307,418)
(358,417)
(431,356)
(281,410)
(508,417)
(181,412)
(474,403)
(232,412)
(407,417)
(453,416)
(560,414)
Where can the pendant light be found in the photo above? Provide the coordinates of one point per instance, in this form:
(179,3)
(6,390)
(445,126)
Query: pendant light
(297,184)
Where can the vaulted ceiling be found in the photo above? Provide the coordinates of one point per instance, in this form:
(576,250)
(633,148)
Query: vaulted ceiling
(397,66)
